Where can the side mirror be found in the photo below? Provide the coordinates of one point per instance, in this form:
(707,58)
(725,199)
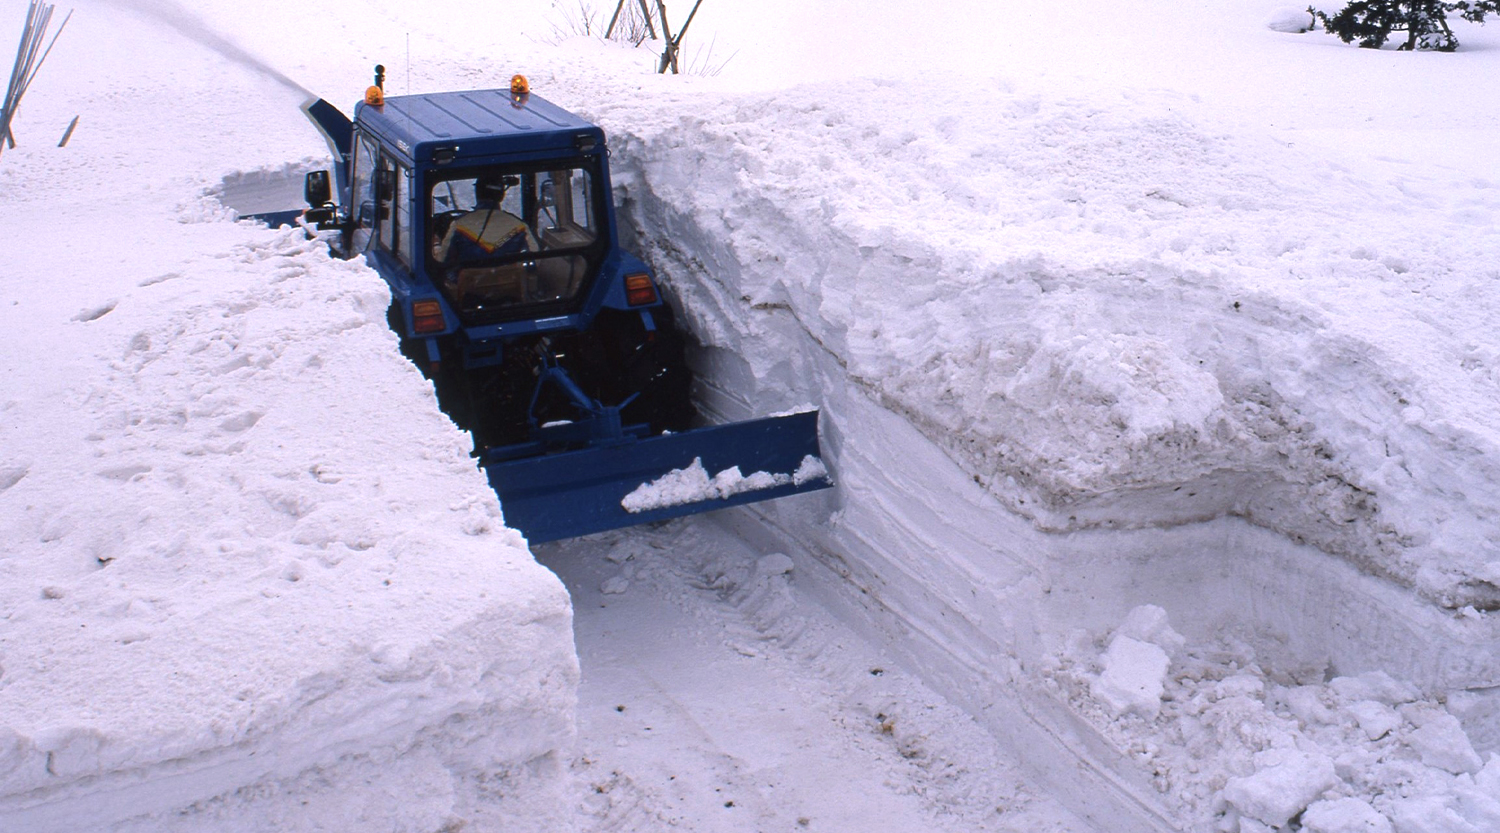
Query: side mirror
(318,191)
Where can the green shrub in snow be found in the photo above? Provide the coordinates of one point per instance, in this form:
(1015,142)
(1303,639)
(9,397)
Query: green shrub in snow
(1425,22)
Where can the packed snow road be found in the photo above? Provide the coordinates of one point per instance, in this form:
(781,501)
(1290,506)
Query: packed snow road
(719,694)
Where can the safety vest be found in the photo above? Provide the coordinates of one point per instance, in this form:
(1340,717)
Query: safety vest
(484,233)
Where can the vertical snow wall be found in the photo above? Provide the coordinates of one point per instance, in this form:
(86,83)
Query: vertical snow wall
(1060,380)
(252,579)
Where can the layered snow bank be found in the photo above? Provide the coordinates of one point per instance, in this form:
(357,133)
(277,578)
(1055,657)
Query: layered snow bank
(252,551)
(1109,315)
(1079,355)
(251,578)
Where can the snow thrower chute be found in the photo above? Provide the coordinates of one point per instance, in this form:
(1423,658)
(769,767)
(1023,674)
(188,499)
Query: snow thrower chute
(490,215)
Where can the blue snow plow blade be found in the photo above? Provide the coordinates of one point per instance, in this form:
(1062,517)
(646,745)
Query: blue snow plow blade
(573,493)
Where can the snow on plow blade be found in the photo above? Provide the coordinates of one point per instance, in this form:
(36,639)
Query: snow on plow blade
(574,493)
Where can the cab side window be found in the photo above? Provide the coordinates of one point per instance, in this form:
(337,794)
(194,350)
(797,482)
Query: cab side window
(393,207)
(363,192)
(402,243)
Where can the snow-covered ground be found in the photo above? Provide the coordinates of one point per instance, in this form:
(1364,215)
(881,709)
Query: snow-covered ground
(719,696)
(1154,347)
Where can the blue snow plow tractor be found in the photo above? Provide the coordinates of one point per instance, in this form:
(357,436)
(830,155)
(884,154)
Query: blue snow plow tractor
(490,215)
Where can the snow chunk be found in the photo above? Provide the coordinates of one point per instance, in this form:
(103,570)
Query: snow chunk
(1135,666)
(1132,680)
(1442,743)
(1488,779)
(775,564)
(811,468)
(1286,783)
(1240,685)
(1477,805)
(1344,815)
(1289,19)
(1148,623)
(1376,719)
(1429,814)
(693,485)
(614,586)
(1375,685)
(1306,704)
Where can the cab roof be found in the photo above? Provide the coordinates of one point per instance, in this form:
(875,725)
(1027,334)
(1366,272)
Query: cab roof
(474,123)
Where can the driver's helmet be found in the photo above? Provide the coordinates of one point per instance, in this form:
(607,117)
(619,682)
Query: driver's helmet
(489,190)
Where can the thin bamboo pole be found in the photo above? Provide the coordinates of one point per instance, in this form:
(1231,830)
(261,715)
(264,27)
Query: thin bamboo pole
(609,32)
(29,59)
(669,54)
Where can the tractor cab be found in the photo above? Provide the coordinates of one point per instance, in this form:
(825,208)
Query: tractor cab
(485,210)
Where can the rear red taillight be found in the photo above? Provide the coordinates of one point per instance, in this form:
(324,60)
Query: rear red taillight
(639,290)
(427,317)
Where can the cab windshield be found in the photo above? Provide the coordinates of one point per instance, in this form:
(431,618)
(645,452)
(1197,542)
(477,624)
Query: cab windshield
(515,241)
